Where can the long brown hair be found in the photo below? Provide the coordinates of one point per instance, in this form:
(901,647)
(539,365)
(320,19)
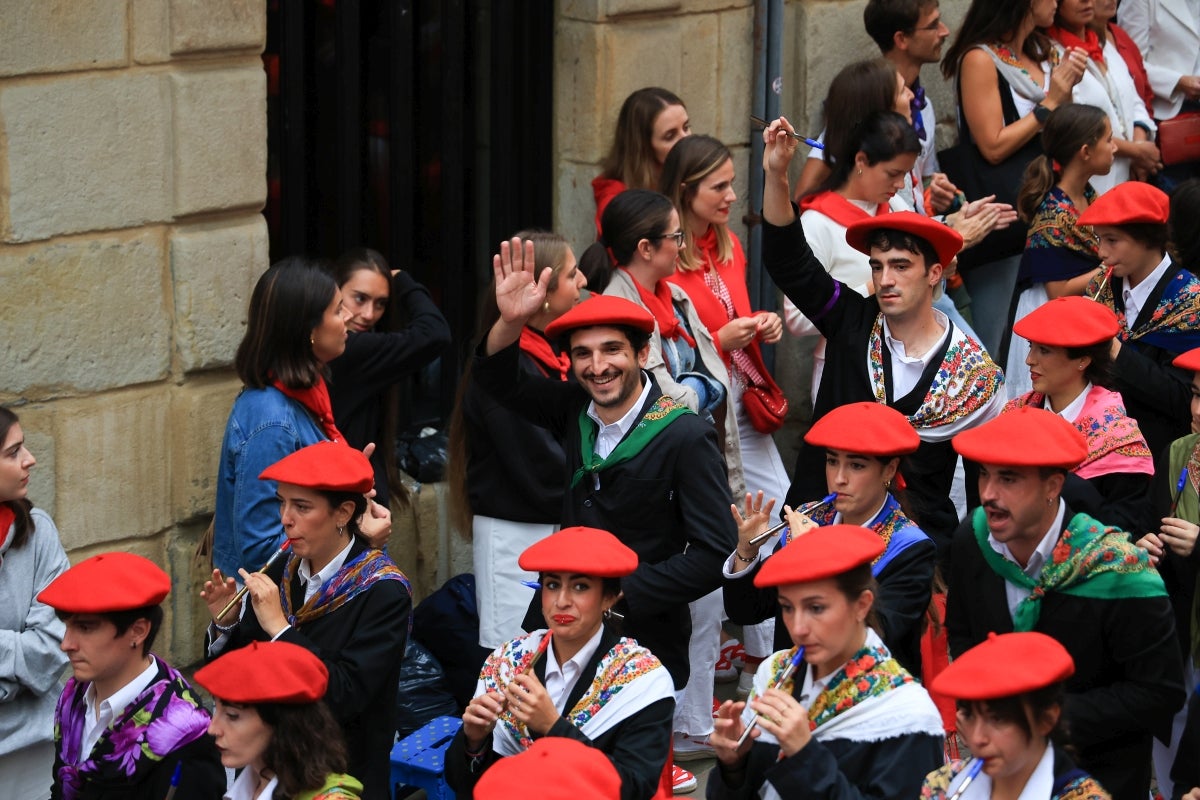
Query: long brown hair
(1068,129)
(22,508)
(690,161)
(988,22)
(631,157)
(306,746)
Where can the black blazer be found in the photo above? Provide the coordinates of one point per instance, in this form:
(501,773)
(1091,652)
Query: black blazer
(638,747)
(362,645)
(1128,680)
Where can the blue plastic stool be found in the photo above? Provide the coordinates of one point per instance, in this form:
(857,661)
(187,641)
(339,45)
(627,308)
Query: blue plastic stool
(419,759)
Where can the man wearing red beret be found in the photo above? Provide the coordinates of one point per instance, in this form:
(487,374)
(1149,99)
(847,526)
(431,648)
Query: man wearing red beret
(126,721)
(892,347)
(640,465)
(1024,561)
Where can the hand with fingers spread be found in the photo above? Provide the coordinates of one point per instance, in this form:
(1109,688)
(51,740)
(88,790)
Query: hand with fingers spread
(754,519)
(216,594)
(782,716)
(530,703)
(519,292)
(727,729)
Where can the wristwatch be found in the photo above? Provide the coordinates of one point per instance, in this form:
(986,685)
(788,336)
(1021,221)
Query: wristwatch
(1041,114)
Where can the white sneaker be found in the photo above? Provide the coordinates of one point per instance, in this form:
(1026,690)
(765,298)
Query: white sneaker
(682,781)
(691,748)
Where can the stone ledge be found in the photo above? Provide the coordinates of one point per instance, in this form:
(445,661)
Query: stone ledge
(202,25)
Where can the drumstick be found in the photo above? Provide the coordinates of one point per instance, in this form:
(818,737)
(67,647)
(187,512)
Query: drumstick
(788,672)
(769,532)
(237,598)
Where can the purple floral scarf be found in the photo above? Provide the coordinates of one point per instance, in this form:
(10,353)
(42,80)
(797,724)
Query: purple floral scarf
(163,718)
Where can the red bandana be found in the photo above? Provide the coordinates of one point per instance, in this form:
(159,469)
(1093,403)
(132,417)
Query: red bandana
(315,399)
(534,345)
(662,306)
(1089,42)
(838,208)
(7,516)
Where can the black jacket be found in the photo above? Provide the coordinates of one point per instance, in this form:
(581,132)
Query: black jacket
(1128,680)
(638,747)
(670,504)
(362,645)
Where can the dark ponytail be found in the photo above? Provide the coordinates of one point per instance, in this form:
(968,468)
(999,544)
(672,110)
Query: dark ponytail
(1068,128)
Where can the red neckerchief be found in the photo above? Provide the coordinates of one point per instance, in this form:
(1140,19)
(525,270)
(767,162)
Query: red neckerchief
(1089,42)
(315,399)
(7,516)
(662,306)
(838,208)
(534,345)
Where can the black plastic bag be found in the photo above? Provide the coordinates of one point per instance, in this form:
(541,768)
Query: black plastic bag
(424,692)
(447,622)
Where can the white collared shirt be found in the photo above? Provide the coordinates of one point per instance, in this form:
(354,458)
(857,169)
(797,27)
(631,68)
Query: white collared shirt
(1074,408)
(1041,556)
(561,679)
(1039,786)
(243,787)
(97,719)
(906,369)
(610,435)
(1135,298)
(313,583)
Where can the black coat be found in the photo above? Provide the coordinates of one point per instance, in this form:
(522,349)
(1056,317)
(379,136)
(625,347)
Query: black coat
(638,747)
(905,586)
(374,361)
(362,645)
(1156,394)
(670,504)
(846,319)
(1128,680)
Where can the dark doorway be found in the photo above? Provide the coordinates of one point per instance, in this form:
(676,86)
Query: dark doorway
(420,128)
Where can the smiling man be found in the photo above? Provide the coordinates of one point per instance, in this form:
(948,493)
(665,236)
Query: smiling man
(892,347)
(1024,561)
(638,464)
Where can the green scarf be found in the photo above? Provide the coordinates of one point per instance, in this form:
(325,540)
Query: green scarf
(661,414)
(336,787)
(1185,452)
(1089,560)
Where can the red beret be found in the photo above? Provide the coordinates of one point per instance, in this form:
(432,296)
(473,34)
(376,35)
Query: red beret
(1068,322)
(821,553)
(1005,665)
(266,672)
(581,551)
(1189,360)
(945,241)
(328,466)
(1127,203)
(869,429)
(1024,437)
(601,310)
(559,768)
(107,582)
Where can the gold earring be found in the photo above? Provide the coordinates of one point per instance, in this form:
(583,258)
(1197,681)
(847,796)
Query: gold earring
(341,530)
(887,484)
(546,306)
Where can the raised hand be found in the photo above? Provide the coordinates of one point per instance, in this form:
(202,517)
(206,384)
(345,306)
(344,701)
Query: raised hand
(519,293)
(779,145)
(217,593)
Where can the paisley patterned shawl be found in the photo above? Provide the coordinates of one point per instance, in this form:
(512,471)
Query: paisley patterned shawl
(163,718)
(1115,442)
(1054,225)
(965,383)
(937,785)
(624,664)
(1175,324)
(888,523)
(355,577)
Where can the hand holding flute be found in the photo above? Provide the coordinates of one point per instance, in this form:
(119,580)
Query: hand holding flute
(217,589)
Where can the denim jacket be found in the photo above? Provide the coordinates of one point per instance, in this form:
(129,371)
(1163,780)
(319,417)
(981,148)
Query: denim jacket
(264,426)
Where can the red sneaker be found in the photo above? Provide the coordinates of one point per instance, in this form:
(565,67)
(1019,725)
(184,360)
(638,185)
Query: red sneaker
(682,781)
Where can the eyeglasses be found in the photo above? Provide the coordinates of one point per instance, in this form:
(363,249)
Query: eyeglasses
(677,236)
(933,26)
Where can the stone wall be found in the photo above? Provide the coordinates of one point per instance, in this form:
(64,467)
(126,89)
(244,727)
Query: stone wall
(132,171)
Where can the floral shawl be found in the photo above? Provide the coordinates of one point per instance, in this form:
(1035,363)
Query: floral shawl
(965,383)
(354,578)
(1114,441)
(628,678)
(163,718)
(1175,324)
(1057,248)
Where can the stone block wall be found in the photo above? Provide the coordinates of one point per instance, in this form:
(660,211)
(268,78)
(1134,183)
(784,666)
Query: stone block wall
(132,172)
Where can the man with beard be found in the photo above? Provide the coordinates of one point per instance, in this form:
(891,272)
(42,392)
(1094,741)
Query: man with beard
(1025,561)
(638,463)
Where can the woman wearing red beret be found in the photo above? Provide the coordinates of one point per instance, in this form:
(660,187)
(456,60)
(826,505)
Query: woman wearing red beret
(269,722)
(1070,368)
(1011,720)
(592,685)
(334,595)
(834,716)
(863,444)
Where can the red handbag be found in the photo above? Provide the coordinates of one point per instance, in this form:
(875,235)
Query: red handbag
(1179,138)
(766,405)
